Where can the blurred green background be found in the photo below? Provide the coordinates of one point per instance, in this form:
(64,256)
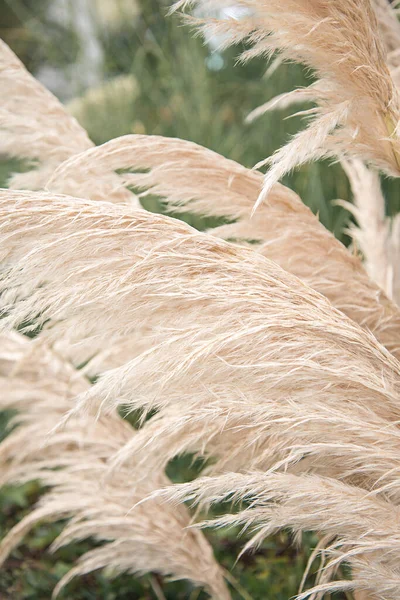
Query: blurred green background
(123,67)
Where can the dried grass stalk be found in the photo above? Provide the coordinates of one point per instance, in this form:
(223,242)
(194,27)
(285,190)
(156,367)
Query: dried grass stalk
(376,235)
(395,254)
(372,235)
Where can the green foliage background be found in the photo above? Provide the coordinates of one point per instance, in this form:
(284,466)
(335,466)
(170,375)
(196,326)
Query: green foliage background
(183,89)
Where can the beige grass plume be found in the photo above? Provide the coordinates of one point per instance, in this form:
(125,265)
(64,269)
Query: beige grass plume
(358,105)
(296,405)
(283,228)
(254,369)
(389,28)
(45,281)
(362,530)
(226,327)
(73,463)
(373,236)
(37,128)
(376,235)
(33,123)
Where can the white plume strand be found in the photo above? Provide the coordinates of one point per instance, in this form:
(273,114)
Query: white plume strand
(372,235)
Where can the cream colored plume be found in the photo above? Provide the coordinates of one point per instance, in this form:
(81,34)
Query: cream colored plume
(283,372)
(73,463)
(34,125)
(395,253)
(377,235)
(358,104)
(360,529)
(224,327)
(284,229)
(374,235)
(389,28)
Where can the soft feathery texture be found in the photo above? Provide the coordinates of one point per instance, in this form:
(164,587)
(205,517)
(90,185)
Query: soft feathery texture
(298,96)
(395,254)
(375,235)
(245,364)
(34,125)
(389,28)
(74,464)
(53,245)
(190,178)
(250,363)
(372,233)
(358,528)
(358,105)
(37,128)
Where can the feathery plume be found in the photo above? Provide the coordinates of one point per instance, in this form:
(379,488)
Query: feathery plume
(365,535)
(376,234)
(243,363)
(395,253)
(358,104)
(37,271)
(284,101)
(259,335)
(389,28)
(42,387)
(372,235)
(34,124)
(190,178)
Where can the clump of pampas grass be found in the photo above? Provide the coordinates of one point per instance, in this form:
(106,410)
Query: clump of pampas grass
(262,345)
